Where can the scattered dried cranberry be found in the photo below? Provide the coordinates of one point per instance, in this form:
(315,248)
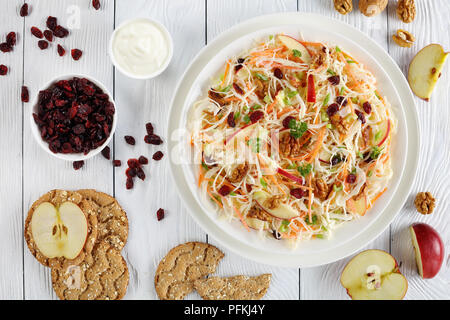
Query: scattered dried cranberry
(130,172)
(129,183)
(96,4)
(224,191)
(106,152)
(5,47)
(117,163)
(332,109)
(143,160)
(61,50)
(255,116)
(60,32)
(238,89)
(341,101)
(297,193)
(130,140)
(361,116)
(278,73)
(76,54)
(52,22)
(24,10)
(158,155)
(3,70)
(42,44)
(133,163)
(78,164)
(140,173)
(230,120)
(24,94)
(153,139)
(334,80)
(276,234)
(48,35)
(287,120)
(238,67)
(11,38)
(37,32)
(351,178)
(367,107)
(149,128)
(160,214)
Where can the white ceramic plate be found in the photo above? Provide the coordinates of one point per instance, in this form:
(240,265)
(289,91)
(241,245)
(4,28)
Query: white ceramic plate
(353,235)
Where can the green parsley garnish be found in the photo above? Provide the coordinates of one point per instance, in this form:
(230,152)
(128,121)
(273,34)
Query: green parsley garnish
(375,152)
(327,98)
(313,218)
(351,61)
(297,128)
(255,107)
(378,135)
(237,115)
(296,53)
(369,174)
(263,182)
(331,72)
(305,170)
(336,188)
(204,166)
(226,89)
(267,99)
(338,49)
(246,118)
(232,193)
(261,76)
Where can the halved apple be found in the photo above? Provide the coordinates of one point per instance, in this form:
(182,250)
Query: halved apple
(429,249)
(374,275)
(379,137)
(294,44)
(425,69)
(257,224)
(358,206)
(283,211)
(59,232)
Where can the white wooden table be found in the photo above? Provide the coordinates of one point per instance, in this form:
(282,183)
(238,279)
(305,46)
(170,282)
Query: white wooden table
(26,171)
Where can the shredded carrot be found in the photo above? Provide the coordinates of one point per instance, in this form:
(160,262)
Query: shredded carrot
(317,146)
(270,106)
(283,111)
(225,75)
(201,177)
(239,214)
(376,198)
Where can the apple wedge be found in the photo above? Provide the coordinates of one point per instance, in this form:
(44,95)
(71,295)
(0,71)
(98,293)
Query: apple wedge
(257,224)
(358,206)
(283,211)
(294,44)
(59,232)
(374,275)
(382,134)
(425,69)
(429,249)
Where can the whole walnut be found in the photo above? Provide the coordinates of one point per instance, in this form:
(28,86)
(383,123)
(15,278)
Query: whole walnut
(424,202)
(371,8)
(406,10)
(343,6)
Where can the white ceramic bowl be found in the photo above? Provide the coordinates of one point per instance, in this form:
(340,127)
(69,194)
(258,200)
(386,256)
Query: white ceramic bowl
(71,156)
(151,75)
(351,236)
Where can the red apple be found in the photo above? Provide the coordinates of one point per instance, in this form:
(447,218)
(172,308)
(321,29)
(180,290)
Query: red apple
(429,249)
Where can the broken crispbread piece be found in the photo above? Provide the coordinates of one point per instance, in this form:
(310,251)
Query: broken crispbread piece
(233,288)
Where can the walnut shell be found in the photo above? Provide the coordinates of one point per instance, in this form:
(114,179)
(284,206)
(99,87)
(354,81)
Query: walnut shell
(371,8)
(403,38)
(406,10)
(343,6)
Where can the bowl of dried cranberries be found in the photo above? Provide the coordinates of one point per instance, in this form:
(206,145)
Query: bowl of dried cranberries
(74,117)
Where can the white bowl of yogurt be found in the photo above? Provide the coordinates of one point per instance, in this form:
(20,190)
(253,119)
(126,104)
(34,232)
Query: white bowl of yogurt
(141,48)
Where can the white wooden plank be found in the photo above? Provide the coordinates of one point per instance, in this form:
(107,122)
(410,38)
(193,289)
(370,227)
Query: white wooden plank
(222,15)
(140,102)
(431,25)
(11,234)
(323,282)
(42,172)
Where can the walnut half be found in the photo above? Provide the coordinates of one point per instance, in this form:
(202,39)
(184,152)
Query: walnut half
(424,202)
(406,10)
(343,6)
(403,38)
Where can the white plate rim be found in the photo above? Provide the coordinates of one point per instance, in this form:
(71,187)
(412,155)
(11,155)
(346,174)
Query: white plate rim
(407,178)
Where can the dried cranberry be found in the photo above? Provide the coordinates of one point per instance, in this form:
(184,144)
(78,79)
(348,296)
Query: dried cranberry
(278,73)
(129,183)
(351,178)
(153,139)
(25,96)
(297,193)
(117,163)
(76,54)
(106,152)
(60,32)
(96,4)
(367,107)
(238,89)
(133,163)
(158,155)
(287,120)
(160,214)
(48,35)
(149,128)
(78,164)
(11,38)
(361,116)
(24,10)
(255,116)
(130,140)
(341,101)
(140,173)
(52,22)
(337,158)
(276,234)
(237,68)
(3,70)
(130,172)
(334,80)
(37,32)
(61,50)
(332,109)
(42,44)
(240,60)
(5,47)
(143,160)
(224,191)
(230,120)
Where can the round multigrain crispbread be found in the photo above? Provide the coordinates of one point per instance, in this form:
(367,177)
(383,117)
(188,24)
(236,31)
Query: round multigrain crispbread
(112,219)
(57,197)
(177,271)
(102,275)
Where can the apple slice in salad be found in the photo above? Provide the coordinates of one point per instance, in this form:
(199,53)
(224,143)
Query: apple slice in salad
(294,44)
(283,211)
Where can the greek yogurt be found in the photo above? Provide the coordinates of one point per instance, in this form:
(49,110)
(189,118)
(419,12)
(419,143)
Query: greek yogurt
(141,48)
